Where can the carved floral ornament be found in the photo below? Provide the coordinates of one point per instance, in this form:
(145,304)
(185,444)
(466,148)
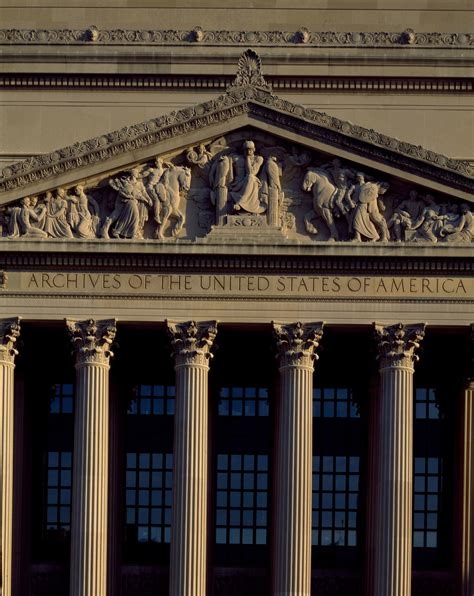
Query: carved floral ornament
(92,340)
(302,36)
(297,343)
(245,179)
(397,344)
(191,342)
(9,334)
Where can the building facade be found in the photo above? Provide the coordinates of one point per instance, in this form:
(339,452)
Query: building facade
(236,337)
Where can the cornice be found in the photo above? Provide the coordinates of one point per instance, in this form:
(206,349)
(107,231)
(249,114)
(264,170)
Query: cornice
(339,84)
(320,258)
(241,99)
(199,36)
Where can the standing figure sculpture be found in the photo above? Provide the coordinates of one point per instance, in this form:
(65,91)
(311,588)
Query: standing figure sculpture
(167,194)
(131,207)
(83,213)
(245,186)
(219,179)
(271,189)
(367,221)
(152,177)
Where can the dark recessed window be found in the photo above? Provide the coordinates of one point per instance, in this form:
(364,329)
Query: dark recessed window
(242,499)
(148,498)
(61,401)
(426,406)
(428,479)
(58,494)
(333,402)
(153,400)
(335,500)
(243,401)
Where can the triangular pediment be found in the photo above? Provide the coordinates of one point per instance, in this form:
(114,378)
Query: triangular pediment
(246,162)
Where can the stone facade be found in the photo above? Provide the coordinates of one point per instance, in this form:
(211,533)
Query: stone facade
(245,203)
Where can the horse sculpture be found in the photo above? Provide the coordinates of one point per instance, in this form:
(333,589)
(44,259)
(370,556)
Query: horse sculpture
(166,195)
(323,188)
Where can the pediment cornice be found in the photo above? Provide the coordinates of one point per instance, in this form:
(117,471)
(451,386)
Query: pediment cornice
(246,101)
(245,168)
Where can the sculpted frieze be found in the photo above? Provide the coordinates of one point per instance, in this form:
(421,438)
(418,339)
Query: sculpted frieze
(172,37)
(244,181)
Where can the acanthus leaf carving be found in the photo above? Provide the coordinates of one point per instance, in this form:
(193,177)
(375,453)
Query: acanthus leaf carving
(297,343)
(249,72)
(191,342)
(9,334)
(397,344)
(92,340)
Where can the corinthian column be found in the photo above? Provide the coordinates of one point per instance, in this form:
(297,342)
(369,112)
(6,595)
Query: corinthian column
(9,332)
(191,343)
(296,345)
(92,341)
(392,531)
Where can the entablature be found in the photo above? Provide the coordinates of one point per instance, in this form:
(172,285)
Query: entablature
(244,169)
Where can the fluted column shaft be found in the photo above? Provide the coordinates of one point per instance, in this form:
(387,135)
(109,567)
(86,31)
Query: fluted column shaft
(294,448)
(191,344)
(392,532)
(466,510)
(91,449)
(9,332)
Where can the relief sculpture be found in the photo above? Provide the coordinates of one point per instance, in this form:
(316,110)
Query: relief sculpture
(234,184)
(352,205)
(245,185)
(130,213)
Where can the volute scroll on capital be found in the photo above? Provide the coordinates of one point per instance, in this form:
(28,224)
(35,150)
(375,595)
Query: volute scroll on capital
(297,343)
(92,340)
(192,341)
(397,344)
(9,333)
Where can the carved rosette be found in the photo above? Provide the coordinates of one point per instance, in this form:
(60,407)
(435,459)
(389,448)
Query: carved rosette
(297,343)
(9,333)
(397,344)
(192,342)
(92,340)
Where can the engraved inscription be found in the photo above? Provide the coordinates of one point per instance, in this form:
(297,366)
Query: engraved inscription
(240,286)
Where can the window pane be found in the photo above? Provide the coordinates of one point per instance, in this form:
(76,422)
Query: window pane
(242,508)
(335,500)
(147,495)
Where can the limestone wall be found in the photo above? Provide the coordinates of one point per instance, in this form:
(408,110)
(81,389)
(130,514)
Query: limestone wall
(422,95)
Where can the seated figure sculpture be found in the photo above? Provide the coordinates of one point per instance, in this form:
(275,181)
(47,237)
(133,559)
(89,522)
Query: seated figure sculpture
(244,187)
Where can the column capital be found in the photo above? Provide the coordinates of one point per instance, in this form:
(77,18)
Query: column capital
(297,343)
(191,342)
(398,343)
(9,333)
(92,340)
